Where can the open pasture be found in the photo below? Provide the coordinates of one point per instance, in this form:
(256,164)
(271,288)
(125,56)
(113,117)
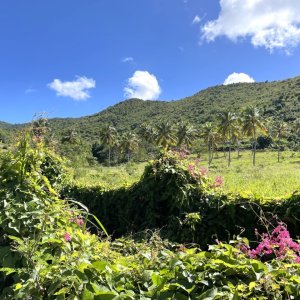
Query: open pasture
(267,179)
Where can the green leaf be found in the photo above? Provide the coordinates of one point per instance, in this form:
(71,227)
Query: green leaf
(87,295)
(100,265)
(106,296)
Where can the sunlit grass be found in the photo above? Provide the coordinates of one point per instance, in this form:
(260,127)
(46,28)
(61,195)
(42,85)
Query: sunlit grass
(110,177)
(267,179)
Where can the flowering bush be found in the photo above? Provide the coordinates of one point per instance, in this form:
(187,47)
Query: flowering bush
(278,244)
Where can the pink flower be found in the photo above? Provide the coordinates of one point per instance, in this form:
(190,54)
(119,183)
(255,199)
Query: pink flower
(278,243)
(203,171)
(218,181)
(67,237)
(79,222)
(191,169)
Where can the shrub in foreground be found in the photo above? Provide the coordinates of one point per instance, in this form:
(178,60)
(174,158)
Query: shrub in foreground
(47,251)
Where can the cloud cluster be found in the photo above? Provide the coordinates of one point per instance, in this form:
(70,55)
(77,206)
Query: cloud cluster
(142,85)
(196,20)
(238,77)
(273,24)
(77,89)
(127,59)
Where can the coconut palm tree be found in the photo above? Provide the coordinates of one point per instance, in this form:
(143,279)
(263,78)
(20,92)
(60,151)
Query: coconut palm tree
(147,133)
(165,135)
(211,138)
(279,130)
(108,137)
(227,128)
(238,135)
(252,124)
(296,126)
(71,137)
(129,143)
(186,134)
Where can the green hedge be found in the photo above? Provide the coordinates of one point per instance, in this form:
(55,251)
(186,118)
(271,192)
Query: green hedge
(126,211)
(184,208)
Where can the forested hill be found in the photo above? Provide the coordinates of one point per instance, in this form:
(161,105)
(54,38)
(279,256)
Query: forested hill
(277,99)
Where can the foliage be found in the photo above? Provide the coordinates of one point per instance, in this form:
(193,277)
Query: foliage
(170,192)
(42,237)
(48,252)
(279,100)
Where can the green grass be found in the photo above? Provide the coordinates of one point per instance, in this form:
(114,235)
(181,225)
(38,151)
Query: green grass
(110,177)
(267,179)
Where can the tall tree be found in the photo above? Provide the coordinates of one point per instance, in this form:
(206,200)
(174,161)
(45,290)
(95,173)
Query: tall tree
(228,125)
(252,124)
(71,137)
(129,143)
(147,132)
(108,137)
(211,138)
(186,134)
(279,130)
(296,126)
(165,135)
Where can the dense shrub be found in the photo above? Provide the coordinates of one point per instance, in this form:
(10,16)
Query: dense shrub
(43,239)
(47,252)
(185,206)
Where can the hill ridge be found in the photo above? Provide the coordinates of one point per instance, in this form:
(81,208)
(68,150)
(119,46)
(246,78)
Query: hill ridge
(279,98)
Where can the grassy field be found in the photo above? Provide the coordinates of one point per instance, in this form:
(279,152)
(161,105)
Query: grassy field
(113,177)
(268,178)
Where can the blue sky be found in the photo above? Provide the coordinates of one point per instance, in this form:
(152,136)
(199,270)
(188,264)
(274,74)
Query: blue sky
(75,58)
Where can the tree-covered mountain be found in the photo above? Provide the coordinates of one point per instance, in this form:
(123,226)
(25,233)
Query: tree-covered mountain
(279,99)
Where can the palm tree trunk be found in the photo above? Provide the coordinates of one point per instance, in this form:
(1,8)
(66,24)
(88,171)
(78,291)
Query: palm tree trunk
(254,152)
(238,150)
(109,156)
(224,152)
(278,158)
(229,155)
(209,154)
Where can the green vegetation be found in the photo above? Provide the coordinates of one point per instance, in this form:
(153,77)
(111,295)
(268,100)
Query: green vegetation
(209,217)
(266,179)
(48,249)
(109,177)
(278,100)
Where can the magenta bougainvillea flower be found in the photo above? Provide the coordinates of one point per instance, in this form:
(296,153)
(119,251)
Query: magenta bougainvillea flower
(278,244)
(67,237)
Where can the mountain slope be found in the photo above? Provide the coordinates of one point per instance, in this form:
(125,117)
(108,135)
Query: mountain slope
(278,99)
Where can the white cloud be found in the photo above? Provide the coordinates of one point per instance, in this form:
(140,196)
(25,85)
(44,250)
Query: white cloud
(30,90)
(196,20)
(127,59)
(238,77)
(142,85)
(77,89)
(273,24)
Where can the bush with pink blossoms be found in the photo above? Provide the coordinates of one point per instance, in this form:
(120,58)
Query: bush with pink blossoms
(278,244)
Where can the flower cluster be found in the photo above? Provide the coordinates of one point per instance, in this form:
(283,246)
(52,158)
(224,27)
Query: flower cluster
(67,237)
(278,243)
(79,221)
(218,182)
